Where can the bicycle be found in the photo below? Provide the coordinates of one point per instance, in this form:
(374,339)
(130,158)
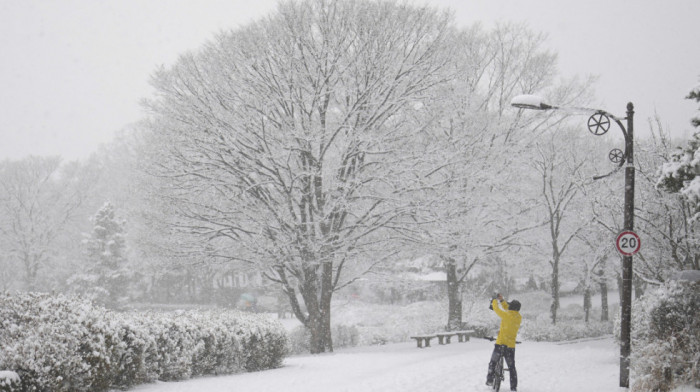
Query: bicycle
(498,376)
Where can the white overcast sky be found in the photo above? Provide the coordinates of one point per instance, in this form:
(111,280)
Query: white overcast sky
(72,72)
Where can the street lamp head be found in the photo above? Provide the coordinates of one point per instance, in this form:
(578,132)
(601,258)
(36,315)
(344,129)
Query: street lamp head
(533,102)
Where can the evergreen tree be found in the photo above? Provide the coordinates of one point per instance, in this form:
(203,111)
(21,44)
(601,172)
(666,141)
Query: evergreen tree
(695,94)
(106,276)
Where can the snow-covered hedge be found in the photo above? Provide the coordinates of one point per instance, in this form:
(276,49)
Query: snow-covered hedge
(343,336)
(542,329)
(9,381)
(537,322)
(58,343)
(380,324)
(55,344)
(666,337)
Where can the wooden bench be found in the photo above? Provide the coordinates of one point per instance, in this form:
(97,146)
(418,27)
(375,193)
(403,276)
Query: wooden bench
(423,338)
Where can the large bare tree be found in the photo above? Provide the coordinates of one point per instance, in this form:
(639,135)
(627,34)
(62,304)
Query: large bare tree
(290,143)
(563,167)
(472,211)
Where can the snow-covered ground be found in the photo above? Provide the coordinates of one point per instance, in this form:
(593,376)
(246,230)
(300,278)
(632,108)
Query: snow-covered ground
(587,366)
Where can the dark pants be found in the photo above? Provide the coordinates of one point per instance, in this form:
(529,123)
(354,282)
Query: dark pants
(508,353)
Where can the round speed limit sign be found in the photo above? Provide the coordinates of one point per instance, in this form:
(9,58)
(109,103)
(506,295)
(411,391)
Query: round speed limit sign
(628,243)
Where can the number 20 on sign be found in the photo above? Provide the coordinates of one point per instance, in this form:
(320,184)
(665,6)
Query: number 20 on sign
(628,243)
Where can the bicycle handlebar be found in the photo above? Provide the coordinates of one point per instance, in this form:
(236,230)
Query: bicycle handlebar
(491,338)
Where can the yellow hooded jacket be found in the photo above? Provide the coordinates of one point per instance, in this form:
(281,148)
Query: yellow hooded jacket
(510,323)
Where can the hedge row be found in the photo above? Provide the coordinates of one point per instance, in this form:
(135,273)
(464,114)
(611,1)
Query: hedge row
(542,330)
(59,343)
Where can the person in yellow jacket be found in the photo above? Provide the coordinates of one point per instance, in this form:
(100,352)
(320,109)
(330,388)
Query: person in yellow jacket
(505,343)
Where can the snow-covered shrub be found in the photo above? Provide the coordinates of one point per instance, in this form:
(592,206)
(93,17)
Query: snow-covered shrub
(261,348)
(343,336)
(134,354)
(233,341)
(196,343)
(666,337)
(377,324)
(299,341)
(9,381)
(175,346)
(541,329)
(56,343)
(381,324)
(537,325)
(215,350)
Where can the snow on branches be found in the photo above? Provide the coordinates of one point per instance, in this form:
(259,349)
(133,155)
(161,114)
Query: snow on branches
(682,174)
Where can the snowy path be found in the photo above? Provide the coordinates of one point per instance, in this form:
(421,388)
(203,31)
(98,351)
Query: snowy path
(542,367)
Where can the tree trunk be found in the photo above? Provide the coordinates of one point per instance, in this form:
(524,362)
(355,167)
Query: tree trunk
(326,295)
(320,330)
(619,286)
(604,301)
(454,297)
(316,291)
(314,321)
(191,287)
(315,326)
(31,269)
(639,288)
(587,302)
(555,289)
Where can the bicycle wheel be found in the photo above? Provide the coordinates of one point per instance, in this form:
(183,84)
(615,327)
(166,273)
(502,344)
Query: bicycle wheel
(498,376)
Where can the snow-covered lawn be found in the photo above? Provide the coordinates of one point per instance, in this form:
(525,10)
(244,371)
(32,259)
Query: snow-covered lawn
(588,366)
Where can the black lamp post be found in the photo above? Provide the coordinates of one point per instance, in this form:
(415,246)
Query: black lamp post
(599,124)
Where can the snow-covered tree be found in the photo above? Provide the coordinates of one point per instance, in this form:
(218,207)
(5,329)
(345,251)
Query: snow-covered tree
(682,173)
(666,337)
(289,143)
(561,171)
(470,209)
(695,94)
(106,274)
(663,218)
(594,263)
(40,198)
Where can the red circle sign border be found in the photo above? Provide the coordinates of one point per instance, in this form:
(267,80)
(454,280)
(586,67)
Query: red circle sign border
(617,243)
